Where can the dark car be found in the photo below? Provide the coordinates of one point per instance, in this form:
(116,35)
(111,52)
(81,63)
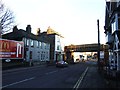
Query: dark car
(61,64)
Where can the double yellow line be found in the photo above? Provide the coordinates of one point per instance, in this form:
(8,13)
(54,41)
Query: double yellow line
(76,86)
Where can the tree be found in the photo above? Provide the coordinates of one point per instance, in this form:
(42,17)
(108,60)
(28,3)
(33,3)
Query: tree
(6,19)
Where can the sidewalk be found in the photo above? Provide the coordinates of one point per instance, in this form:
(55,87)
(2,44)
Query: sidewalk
(113,82)
(93,79)
(22,65)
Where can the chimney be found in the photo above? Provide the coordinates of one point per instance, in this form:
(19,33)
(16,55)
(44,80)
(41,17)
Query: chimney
(15,29)
(28,29)
(38,31)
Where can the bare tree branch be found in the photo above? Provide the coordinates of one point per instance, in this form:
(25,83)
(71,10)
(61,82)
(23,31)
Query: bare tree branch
(6,19)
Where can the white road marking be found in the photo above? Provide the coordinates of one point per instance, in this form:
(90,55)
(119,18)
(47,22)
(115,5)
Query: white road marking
(80,79)
(18,82)
(22,68)
(19,70)
(51,72)
(64,69)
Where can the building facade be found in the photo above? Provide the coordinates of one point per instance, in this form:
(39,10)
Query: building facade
(36,49)
(56,44)
(112,31)
(59,48)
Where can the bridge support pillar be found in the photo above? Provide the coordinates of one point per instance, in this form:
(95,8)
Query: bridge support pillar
(69,56)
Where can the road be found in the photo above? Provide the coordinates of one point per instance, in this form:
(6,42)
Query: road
(45,77)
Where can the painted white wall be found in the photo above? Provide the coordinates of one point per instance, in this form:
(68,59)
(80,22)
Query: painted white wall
(38,53)
(59,43)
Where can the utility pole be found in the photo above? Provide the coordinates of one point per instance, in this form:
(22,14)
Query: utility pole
(98,45)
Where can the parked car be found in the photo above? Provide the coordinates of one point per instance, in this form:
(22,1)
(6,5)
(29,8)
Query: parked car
(61,64)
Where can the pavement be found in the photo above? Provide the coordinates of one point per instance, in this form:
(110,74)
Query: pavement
(8,66)
(94,79)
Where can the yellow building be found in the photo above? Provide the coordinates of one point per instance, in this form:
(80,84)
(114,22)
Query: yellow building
(51,31)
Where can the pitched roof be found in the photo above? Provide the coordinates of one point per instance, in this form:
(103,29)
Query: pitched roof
(20,34)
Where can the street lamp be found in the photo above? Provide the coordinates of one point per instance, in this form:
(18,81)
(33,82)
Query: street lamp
(98,45)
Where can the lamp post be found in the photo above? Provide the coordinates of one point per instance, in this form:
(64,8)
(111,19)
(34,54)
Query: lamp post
(98,44)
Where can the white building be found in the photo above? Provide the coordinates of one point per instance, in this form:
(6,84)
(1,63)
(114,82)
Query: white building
(56,44)
(36,49)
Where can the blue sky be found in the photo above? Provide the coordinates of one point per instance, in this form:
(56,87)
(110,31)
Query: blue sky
(76,20)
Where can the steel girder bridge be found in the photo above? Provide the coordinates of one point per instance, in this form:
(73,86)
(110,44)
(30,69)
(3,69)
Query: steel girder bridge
(83,48)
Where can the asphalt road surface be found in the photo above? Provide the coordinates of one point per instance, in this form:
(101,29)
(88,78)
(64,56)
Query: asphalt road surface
(45,77)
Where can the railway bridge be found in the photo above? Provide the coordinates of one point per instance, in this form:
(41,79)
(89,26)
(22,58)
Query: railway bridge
(83,48)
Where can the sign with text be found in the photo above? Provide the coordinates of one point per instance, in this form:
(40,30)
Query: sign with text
(11,49)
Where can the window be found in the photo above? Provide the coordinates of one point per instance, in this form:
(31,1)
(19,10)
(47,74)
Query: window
(24,39)
(46,55)
(119,23)
(41,56)
(118,45)
(58,41)
(40,44)
(58,47)
(27,43)
(113,26)
(48,46)
(45,45)
(36,44)
(31,43)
